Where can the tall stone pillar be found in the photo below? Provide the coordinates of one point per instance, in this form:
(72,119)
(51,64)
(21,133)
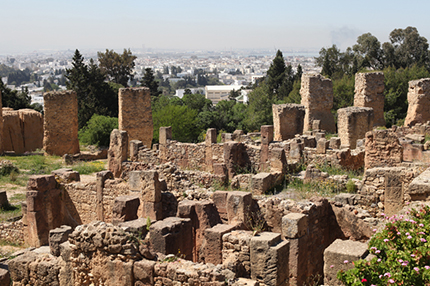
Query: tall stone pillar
(369,92)
(288,120)
(60,123)
(317,97)
(419,102)
(135,114)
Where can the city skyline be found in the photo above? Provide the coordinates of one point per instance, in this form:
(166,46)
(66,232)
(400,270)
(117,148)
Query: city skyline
(196,25)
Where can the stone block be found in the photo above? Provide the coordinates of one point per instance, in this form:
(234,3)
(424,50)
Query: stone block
(152,210)
(211,136)
(41,183)
(369,92)
(287,120)
(143,271)
(57,236)
(238,206)
(135,114)
(278,160)
(295,225)
(319,135)
(32,129)
(5,277)
(220,201)
(136,226)
(261,183)
(321,146)
(269,257)
(134,149)
(172,236)
(125,209)
(67,175)
(335,143)
(382,149)
(316,125)
(165,135)
(60,125)
(418,102)
(353,123)
(117,153)
(339,256)
(12,128)
(235,157)
(3,199)
(266,134)
(212,246)
(296,150)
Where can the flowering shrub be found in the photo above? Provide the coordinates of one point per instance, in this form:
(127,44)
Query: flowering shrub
(402,253)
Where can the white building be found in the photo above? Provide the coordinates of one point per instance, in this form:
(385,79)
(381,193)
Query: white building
(216,93)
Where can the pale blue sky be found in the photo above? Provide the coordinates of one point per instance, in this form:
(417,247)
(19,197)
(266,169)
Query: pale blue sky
(28,25)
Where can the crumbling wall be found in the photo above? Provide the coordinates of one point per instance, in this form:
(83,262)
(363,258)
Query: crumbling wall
(369,92)
(418,102)
(317,97)
(382,149)
(135,114)
(60,123)
(23,130)
(353,123)
(288,120)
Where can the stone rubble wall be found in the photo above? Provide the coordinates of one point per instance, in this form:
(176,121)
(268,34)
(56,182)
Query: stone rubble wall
(287,120)
(12,232)
(369,92)
(382,148)
(353,123)
(60,123)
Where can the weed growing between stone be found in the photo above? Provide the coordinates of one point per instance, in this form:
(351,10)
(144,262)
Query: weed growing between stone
(402,253)
(326,188)
(335,170)
(85,168)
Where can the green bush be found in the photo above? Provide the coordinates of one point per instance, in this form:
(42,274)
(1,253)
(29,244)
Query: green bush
(402,253)
(97,130)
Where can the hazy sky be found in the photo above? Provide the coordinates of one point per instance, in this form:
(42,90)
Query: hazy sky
(30,25)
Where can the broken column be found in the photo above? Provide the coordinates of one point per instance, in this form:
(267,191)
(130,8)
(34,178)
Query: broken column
(234,157)
(211,138)
(101,177)
(60,123)
(269,259)
(165,135)
(135,145)
(288,120)
(369,92)
(419,101)
(135,114)
(266,138)
(353,123)
(117,153)
(317,97)
(393,196)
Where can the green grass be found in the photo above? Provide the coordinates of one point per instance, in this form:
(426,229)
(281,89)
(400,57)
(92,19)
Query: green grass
(326,188)
(336,170)
(35,164)
(85,168)
(9,212)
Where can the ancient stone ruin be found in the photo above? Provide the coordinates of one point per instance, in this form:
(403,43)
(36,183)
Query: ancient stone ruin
(419,101)
(60,123)
(369,92)
(135,114)
(204,213)
(317,97)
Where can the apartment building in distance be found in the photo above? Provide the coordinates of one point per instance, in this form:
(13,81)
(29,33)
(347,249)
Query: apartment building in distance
(216,93)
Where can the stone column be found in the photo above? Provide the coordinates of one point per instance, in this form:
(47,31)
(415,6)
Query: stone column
(353,123)
(317,97)
(135,114)
(369,92)
(419,102)
(101,177)
(60,123)
(266,138)
(288,120)
(117,153)
(211,138)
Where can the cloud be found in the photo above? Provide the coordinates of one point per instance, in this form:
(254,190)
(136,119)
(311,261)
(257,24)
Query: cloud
(344,37)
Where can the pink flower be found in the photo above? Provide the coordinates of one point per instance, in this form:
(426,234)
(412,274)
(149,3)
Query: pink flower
(423,240)
(331,266)
(379,260)
(427,267)
(346,261)
(377,251)
(387,274)
(409,237)
(386,240)
(400,260)
(412,255)
(421,233)
(421,225)
(364,280)
(382,214)
(391,281)
(407,233)
(404,264)
(417,269)
(374,229)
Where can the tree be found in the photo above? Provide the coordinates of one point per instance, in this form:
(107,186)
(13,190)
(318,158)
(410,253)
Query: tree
(149,81)
(14,99)
(117,68)
(95,96)
(368,52)
(276,73)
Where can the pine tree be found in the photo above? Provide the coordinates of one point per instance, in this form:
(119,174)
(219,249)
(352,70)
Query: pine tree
(276,73)
(149,81)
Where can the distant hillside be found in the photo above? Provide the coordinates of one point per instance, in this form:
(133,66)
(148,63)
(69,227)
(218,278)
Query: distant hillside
(5,70)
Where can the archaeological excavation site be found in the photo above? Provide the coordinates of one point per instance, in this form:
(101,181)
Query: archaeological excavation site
(218,213)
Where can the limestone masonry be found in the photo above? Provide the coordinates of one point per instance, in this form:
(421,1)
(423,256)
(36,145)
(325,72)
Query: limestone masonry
(369,92)
(60,123)
(419,102)
(135,114)
(317,97)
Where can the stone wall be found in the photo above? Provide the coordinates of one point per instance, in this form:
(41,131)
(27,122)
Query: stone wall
(317,97)
(382,149)
(23,130)
(353,123)
(1,125)
(288,120)
(369,92)
(418,102)
(135,114)
(60,123)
